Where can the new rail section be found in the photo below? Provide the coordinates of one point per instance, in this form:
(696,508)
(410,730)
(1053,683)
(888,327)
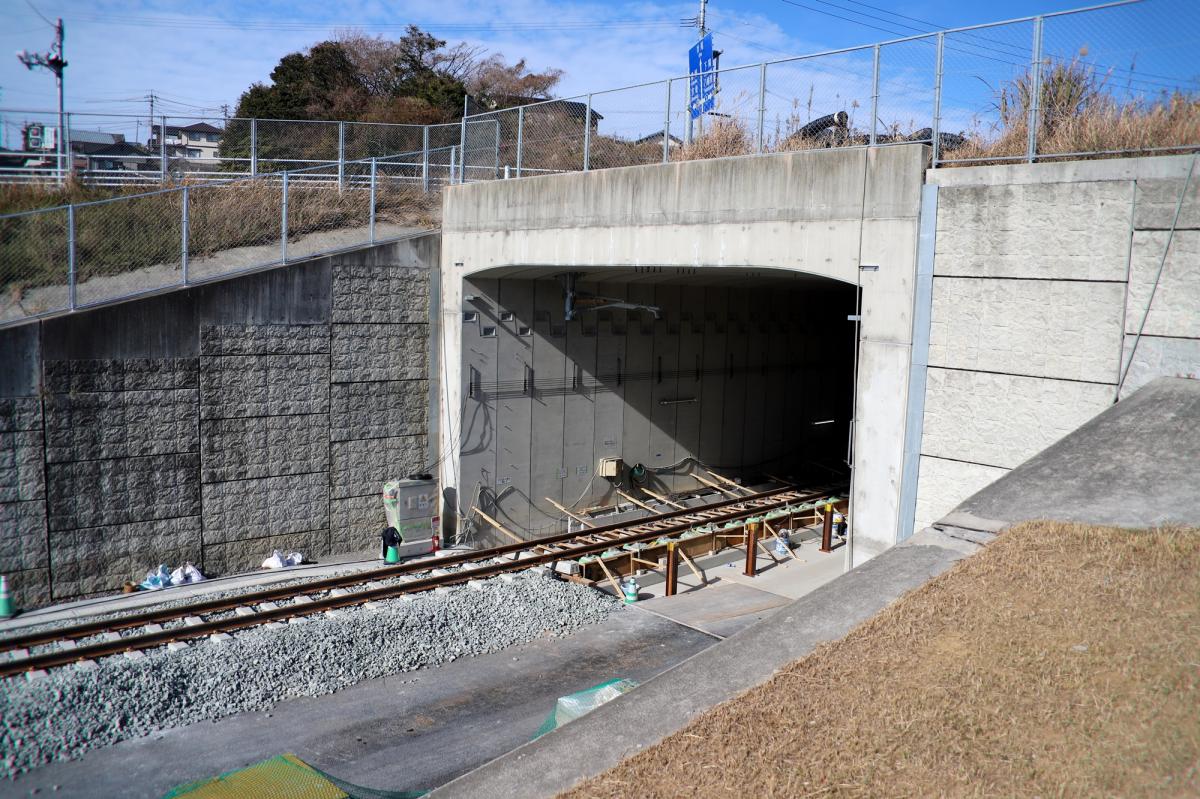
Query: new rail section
(479,564)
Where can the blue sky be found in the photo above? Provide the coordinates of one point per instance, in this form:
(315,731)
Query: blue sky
(202,57)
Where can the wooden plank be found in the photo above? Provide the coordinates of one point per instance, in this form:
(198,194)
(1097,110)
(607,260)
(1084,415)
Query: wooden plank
(729,482)
(509,533)
(637,502)
(612,580)
(691,566)
(771,530)
(580,519)
(498,526)
(717,486)
(664,499)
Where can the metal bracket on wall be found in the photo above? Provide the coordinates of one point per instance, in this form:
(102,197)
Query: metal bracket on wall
(585,301)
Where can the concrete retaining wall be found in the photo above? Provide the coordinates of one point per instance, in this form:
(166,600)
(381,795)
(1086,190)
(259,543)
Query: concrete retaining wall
(1042,276)
(214,424)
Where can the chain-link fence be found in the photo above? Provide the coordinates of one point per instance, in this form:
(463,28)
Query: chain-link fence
(116,150)
(35,274)
(92,253)
(1117,79)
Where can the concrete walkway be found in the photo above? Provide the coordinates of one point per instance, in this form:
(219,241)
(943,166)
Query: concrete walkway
(600,740)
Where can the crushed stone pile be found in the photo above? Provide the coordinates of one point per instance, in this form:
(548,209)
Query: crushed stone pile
(69,711)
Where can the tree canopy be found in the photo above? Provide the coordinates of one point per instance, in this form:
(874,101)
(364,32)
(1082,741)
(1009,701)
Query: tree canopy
(417,78)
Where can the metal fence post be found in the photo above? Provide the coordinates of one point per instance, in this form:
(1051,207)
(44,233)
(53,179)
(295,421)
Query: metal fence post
(937,99)
(462,146)
(184,237)
(341,155)
(71,255)
(162,146)
(453,161)
(587,135)
(520,137)
(874,94)
(496,123)
(283,222)
(373,168)
(425,159)
(67,164)
(762,103)
(254,148)
(1035,90)
(667,126)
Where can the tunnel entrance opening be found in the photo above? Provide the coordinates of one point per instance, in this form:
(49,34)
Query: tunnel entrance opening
(677,373)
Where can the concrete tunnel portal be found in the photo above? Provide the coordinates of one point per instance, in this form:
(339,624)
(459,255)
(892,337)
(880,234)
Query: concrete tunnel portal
(675,372)
(787,282)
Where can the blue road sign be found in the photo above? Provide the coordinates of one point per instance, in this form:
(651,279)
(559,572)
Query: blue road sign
(702,78)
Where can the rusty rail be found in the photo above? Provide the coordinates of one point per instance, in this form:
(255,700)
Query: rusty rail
(637,531)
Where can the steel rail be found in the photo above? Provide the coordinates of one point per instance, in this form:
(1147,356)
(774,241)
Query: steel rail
(340,581)
(639,531)
(750,506)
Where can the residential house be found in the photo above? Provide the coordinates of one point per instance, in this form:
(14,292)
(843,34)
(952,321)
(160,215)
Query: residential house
(673,141)
(541,109)
(196,142)
(123,155)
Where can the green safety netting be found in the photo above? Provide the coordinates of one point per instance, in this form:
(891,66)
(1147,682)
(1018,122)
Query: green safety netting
(572,706)
(281,777)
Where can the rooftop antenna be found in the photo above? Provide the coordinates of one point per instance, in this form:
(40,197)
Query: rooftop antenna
(53,61)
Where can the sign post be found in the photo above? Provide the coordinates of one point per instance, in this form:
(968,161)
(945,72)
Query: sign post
(702,81)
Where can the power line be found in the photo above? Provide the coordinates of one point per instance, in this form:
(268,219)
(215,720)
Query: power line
(295,25)
(958,48)
(33,8)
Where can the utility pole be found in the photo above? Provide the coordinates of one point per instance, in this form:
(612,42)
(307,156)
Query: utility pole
(53,61)
(161,133)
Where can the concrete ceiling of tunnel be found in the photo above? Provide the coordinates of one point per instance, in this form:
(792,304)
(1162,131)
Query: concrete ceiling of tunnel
(733,276)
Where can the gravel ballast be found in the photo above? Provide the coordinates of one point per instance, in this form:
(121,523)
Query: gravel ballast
(69,711)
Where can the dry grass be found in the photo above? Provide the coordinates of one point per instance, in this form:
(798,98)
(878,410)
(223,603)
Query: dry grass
(137,232)
(1061,661)
(724,137)
(1104,126)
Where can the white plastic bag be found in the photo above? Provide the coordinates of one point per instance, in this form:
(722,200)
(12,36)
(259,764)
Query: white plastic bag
(278,560)
(187,573)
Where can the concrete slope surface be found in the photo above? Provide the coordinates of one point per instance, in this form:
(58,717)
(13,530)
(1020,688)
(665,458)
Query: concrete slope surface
(1136,464)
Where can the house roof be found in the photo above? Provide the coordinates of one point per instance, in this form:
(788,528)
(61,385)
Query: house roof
(121,148)
(95,137)
(201,127)
(657,136)
(195,127)
(572,108)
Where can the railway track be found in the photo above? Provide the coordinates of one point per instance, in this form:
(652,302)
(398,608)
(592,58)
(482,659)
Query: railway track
(70,644)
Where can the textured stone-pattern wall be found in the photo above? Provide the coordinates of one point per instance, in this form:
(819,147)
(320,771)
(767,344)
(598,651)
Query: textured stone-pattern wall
(213,425)
(122,456)
(378,411)
(24,554)
(264,410)
(1040,286)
